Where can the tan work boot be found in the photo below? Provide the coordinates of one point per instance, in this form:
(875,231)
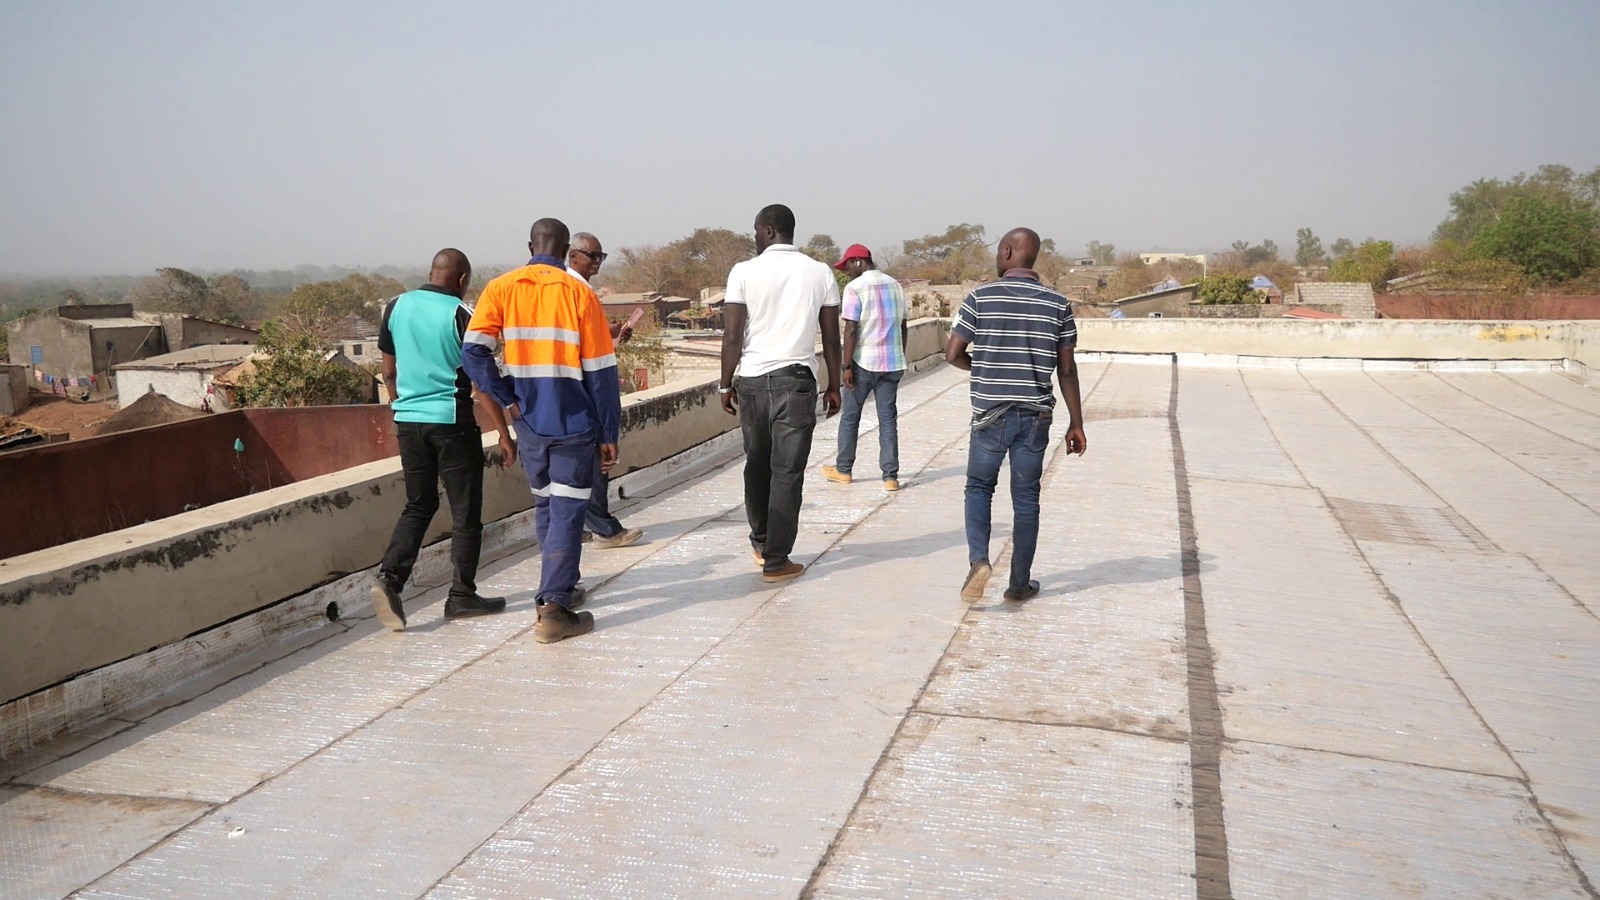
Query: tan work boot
(891,484)
(833,474)
(556,623)
(621,539)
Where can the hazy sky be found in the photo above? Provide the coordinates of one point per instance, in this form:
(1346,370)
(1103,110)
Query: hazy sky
(210,135)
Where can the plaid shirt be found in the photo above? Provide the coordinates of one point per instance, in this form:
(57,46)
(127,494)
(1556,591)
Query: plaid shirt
(876,302)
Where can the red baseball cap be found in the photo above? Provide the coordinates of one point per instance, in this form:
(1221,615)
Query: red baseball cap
(854,251)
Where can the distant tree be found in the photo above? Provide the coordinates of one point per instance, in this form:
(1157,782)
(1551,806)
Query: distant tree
(1308,249)
(960,254)
(1492,276)
(646,350)
(1373,262)
(645,268)
(290,370)
(1264,252)
(1131,279)
(704,258)
(1549,240)
(174,290)
(938,247)
(822,249)
(1342,248)
(232,295)
(1226,287)
(1484,202)
(316,307)
(1102,254)
(1050,265)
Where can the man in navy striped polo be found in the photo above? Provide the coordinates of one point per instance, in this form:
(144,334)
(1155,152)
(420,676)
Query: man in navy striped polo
(1012,334)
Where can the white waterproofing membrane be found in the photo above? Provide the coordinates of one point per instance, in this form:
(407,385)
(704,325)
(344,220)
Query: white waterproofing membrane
(1378,675)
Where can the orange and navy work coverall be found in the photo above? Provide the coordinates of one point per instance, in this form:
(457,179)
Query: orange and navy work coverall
(561,366)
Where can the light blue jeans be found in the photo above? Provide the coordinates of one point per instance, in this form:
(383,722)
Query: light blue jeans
(1023,435)
(885,389)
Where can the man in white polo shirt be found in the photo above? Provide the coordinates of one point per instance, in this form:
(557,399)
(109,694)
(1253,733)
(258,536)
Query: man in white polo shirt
(776,304)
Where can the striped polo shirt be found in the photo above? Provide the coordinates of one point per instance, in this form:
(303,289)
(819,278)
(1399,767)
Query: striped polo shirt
(561,366)
(875,301)
(1016,327)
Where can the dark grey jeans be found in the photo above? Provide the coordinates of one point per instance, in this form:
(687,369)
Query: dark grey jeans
(777,415)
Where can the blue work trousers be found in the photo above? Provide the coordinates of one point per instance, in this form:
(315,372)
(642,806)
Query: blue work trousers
(561,473)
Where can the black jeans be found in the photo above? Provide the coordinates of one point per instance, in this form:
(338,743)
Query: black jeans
(777,415)
(429,453)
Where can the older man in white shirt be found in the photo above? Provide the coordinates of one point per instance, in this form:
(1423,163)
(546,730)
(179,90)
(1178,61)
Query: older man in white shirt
(608,532)
(775,306)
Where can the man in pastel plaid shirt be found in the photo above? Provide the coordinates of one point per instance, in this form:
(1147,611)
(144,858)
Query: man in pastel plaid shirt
(874,314)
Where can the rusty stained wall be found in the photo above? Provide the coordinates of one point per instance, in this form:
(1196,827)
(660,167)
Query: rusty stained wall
(65,492)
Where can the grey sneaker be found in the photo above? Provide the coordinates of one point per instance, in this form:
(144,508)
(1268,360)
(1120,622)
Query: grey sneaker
(557,623)
(977,580)
(621,539)
(386,604)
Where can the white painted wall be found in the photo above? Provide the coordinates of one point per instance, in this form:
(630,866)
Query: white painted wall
(185,386)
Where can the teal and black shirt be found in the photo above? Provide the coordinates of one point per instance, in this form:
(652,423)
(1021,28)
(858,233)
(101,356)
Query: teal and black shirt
(422,330)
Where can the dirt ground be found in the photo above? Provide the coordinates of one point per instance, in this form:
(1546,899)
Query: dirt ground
(48,412)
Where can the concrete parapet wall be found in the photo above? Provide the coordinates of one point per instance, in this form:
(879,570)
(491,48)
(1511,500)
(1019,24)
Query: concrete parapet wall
(77,607)
(1422,339)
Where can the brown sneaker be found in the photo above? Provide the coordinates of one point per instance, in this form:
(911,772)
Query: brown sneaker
(833,474)
(557,623)
(386,604)
(621,539)
(891,484)
(791,570)
(977,580)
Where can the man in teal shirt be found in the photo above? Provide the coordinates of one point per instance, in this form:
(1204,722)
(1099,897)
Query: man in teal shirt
(439,438)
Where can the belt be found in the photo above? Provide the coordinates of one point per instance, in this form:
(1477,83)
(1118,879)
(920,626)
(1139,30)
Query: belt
(798,369)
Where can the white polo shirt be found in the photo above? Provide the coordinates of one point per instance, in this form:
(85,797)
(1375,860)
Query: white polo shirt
(783,292)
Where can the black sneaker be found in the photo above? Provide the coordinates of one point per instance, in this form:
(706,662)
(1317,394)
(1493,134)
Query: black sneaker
(386,603)
(463,607)
(1031,590)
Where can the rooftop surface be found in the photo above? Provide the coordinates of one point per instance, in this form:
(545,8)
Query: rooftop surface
(201,356)
(1303,632)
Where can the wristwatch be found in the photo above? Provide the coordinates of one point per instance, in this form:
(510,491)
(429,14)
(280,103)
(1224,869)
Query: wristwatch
(724,390)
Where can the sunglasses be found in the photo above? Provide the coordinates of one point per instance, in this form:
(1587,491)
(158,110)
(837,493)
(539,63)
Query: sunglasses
(593,256)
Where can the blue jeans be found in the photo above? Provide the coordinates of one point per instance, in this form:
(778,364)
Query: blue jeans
(1023,435)
(598,515)
(884,388)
